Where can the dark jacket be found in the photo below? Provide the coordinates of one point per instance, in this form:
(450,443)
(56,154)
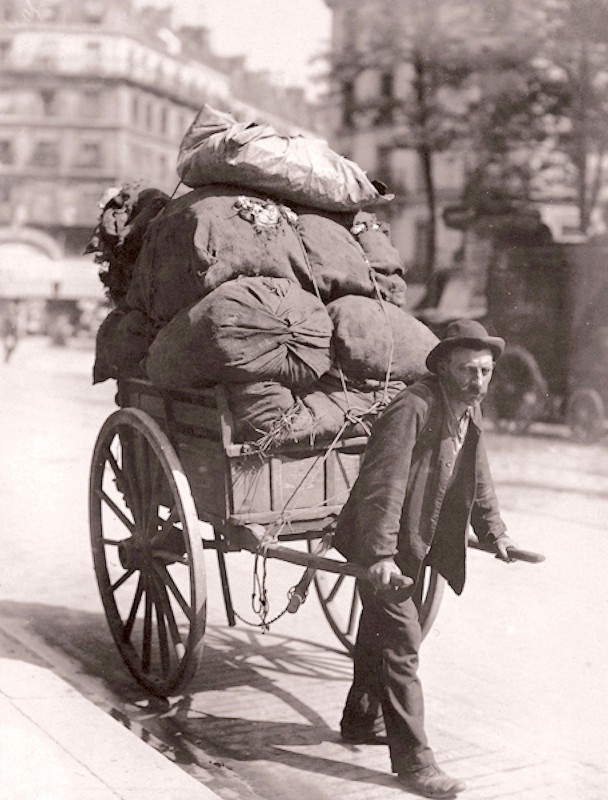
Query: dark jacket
(403,502)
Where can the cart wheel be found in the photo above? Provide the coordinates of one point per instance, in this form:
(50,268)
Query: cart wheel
(585,415)
(147,551)
(518,391)
(341,604)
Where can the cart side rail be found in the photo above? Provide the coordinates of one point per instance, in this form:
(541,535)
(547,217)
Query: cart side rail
(298,486)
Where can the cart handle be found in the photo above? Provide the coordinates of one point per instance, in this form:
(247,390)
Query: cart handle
(515,553)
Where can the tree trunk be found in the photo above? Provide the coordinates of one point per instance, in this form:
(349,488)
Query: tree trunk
(426,161)
(425,154)
(581,145)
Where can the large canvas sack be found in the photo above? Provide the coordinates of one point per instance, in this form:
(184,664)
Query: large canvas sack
(207,237)
(121,345)
(251,329)
(296,169)
(391,288)
(372,338)
(374,238)
(268,413)
(257,406)
(347,409)
(335,263)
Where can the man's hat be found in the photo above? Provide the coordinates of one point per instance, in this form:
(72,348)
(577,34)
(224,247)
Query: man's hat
(464,333)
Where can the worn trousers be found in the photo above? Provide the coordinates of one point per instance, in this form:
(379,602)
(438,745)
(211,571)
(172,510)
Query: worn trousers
(386,682)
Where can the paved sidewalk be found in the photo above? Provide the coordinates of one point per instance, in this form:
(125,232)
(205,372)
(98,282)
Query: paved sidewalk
(56,745)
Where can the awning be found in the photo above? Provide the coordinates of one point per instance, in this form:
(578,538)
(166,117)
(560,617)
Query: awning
(25,272)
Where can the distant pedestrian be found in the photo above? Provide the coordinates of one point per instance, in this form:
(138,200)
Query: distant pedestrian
(10,330)
(423,479)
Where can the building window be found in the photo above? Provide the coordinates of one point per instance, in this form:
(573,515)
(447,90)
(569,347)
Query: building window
(92,103)
(48,11)
(164,120)
(384,165)
(89,155)
(386,99)
(6,151)
(348,103)
(93,11)
(46,154)
(5,49)
(421,243)
(135,109)
(46,54)
(50,106)
(149,115)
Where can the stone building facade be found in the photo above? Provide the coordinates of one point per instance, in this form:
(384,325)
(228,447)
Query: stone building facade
(94,93)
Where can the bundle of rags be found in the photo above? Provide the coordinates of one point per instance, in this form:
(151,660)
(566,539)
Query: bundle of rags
(246,330)
(117,238)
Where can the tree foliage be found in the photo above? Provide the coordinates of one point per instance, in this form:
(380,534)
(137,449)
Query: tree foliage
(575,51)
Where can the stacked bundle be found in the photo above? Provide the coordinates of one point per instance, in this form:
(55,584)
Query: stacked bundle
(294,303)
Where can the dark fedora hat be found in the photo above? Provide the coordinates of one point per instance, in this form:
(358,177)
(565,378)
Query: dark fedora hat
(464,333)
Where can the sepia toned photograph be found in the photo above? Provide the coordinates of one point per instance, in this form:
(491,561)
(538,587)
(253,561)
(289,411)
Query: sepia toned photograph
(304,399)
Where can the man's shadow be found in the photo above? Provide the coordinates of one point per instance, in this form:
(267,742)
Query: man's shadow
(233,659)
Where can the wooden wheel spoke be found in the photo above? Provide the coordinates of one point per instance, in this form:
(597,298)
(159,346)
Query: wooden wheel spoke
(145,479)
(128,461)
(163,642)
(125,577)
(167,580)
(146,652)
(168,557)
(170,618)
(118,511)
(353,616)
(121,479)
(335,589)
(127,629)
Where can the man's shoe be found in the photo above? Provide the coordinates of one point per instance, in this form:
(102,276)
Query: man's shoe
(431,781)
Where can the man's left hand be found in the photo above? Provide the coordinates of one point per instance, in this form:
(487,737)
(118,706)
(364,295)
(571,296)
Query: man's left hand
(501,545)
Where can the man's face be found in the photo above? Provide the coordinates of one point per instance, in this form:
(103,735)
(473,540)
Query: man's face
(466,374)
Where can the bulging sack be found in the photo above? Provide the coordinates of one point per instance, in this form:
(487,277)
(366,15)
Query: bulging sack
(335,263)
(250,329)
(267,411)
(346,409)
(391,288)
(121,345)
(375,240)
(296,169)
(207,237)
(373,339)
(269,414)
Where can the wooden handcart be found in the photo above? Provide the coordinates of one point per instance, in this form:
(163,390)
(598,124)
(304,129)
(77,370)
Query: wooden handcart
(163,464)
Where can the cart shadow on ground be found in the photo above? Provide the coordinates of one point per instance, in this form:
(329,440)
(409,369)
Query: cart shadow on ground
(269,671)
